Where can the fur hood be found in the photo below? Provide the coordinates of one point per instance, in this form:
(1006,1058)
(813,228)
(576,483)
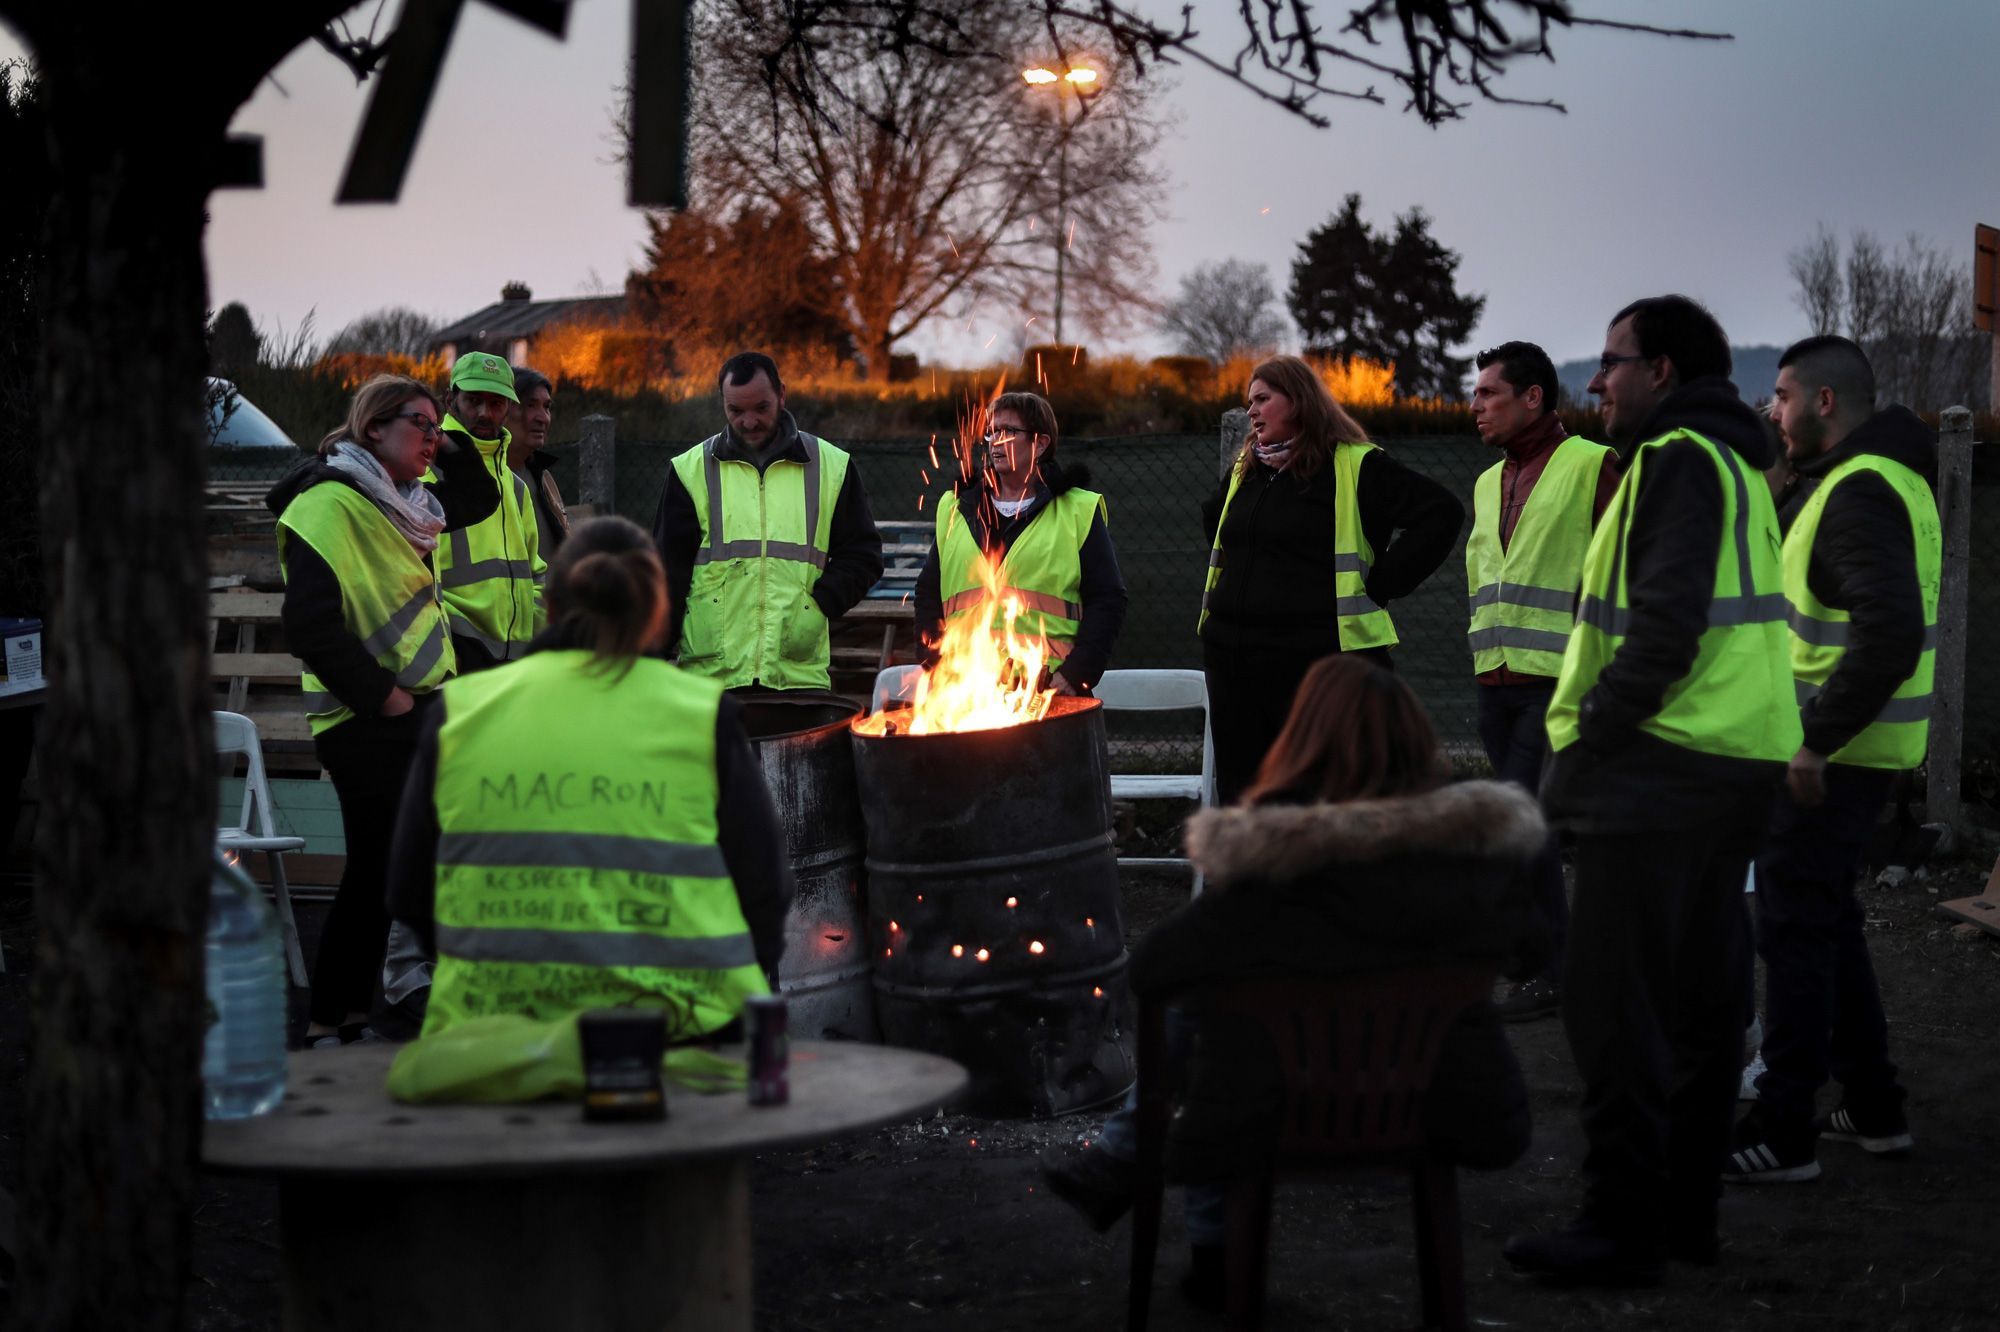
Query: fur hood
(1281,843)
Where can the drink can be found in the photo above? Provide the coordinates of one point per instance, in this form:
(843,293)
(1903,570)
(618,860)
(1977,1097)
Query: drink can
(770,1049)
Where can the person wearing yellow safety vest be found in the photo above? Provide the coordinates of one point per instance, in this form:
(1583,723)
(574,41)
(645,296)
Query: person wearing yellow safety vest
(1863,556)
(1314,532)
(1532,516)
(357,529)
(491,572)
(629,856)
(1671,724)
(766,537)
(1028,509)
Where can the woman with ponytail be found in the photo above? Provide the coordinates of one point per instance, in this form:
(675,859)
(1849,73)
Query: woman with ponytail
(588,828)
(358,528)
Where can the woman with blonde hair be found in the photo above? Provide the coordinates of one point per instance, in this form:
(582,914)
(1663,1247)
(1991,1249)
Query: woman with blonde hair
(1315,530)
(357,529)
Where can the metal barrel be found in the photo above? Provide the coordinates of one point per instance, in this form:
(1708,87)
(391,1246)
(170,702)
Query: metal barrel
(993,908)
(803,744)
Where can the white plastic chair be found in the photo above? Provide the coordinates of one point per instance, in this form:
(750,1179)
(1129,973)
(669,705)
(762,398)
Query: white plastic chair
(894,684)
(1162,691)
(253,830)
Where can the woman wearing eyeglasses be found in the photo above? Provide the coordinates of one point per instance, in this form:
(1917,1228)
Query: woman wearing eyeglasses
(356,532)
(1029,511)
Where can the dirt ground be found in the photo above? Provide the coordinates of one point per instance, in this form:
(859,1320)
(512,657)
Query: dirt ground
(943,1223)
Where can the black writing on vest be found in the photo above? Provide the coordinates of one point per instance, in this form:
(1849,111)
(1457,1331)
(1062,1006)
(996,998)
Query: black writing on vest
(550,792)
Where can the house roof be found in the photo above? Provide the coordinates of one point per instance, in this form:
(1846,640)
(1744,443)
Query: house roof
(520,319)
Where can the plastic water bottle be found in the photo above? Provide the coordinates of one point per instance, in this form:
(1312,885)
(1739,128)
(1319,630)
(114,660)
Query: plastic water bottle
(243,1057)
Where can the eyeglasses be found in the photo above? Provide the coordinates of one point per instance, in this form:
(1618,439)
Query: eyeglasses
(1607,362)
(425,426)
(998,433)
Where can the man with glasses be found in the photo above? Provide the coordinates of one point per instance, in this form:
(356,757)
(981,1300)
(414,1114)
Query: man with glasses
(1532,516)
(1673,718)
(766,537)
(490,575)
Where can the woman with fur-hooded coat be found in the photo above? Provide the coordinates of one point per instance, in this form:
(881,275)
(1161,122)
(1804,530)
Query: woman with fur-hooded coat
(1301,884)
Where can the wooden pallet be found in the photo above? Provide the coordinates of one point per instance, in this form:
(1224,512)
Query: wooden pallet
(252,679)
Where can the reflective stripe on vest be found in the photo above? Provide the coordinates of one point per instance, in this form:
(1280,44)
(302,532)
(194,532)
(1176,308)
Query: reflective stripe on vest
(1736,698)
(1042,570)
(1362,623)
(492,571)
(764,541)
(1522,598)
(577,866)
(388,594)
(1900,733)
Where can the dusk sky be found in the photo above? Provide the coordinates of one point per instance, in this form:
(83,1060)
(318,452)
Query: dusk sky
(1680,165)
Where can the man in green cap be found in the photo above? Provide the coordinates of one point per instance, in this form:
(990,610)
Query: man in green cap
(490,574)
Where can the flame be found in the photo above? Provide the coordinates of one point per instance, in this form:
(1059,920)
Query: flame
(985,678)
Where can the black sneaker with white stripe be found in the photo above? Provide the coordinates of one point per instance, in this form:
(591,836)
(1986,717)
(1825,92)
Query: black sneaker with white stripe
(1761,1157)
(1883,1134)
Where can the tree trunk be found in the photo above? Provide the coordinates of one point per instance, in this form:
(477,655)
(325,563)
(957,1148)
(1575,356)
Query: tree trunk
(127,763)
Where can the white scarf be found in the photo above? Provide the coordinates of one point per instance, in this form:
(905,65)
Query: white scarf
(1275,456)
(410,505)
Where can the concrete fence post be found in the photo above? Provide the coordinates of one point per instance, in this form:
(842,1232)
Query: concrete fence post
(1235,427)
(597,465)
(1954,493)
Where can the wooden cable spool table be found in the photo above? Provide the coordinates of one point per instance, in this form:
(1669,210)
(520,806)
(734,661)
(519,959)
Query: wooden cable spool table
(525,1216)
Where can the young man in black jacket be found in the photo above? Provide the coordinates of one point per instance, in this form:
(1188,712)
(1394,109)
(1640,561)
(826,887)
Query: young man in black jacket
(1869,550)
(1667,748)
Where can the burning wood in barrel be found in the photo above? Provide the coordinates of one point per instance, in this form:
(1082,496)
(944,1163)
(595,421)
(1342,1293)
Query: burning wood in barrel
(993,879)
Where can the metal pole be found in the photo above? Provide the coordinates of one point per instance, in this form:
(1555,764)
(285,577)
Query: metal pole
(1954,495)
(1062,197)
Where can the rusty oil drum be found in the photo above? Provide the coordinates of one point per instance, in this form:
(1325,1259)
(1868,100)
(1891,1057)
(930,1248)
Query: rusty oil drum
(993,907)
(803,744)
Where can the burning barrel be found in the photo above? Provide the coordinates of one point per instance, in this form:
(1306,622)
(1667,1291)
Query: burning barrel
(993,905)
(803,745)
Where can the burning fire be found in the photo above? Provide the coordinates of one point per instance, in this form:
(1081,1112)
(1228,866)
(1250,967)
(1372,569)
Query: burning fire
(986,676)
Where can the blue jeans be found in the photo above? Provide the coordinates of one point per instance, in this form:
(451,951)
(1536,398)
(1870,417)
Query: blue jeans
(1120,1139)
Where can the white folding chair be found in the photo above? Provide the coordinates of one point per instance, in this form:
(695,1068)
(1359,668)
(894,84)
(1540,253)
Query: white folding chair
(1162,691)
(253,829)
(894,684)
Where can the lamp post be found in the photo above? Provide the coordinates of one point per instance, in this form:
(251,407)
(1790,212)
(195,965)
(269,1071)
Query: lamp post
(1081,80)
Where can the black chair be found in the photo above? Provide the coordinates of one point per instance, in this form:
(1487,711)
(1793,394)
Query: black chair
(1357,1055)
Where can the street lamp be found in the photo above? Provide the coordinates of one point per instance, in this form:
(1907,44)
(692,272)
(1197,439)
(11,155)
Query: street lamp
(1082,81)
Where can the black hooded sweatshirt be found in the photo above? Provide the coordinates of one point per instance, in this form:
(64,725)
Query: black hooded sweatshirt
(1863,561)
(1618,778)
(1102,589)
(314,629)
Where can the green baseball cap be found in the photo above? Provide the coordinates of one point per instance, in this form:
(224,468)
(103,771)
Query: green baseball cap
(483,372)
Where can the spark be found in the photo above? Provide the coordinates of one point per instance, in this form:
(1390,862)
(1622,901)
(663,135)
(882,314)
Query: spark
(1035,947)
(934,457)
(990,341)
(1031,321)
(1013,902)
(958,950)
(1089,923)
(1031,226)
(1070,244)
(955,254)
(1097,991)
(982,955)
(1078,351)
(1263,212)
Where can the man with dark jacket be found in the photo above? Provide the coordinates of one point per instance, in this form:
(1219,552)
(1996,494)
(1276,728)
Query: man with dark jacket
(1671,722)
(1863,551)
(1523,567)
(528,456)
(766,537)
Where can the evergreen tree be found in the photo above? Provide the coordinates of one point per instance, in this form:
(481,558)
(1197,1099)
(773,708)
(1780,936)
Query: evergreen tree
(1391,300)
